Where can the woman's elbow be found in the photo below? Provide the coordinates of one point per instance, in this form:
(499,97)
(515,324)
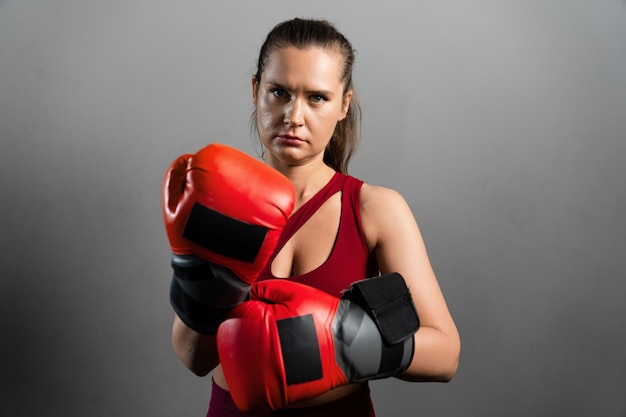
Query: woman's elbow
(197,362)
(452,364)
(449,372)
(201,369)
(444,372)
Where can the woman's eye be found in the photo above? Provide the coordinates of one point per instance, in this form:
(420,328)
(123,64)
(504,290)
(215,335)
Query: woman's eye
(318,98)
(279,92)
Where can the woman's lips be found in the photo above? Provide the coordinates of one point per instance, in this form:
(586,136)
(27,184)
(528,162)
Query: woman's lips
(290,139)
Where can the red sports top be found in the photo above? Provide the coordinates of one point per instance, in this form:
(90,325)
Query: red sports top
(350,260)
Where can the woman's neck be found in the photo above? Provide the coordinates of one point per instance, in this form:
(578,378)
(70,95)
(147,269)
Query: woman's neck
(307,179)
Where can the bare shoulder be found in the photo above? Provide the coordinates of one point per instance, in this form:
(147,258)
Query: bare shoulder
(383,209)
(376,199)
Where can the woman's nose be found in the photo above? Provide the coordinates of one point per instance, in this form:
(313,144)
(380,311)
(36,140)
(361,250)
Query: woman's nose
(294,114)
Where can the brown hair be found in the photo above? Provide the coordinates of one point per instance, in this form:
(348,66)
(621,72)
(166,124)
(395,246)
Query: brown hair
(304,33)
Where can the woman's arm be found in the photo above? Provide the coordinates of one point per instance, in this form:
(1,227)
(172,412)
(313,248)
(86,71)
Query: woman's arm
(392,232)
(197,351)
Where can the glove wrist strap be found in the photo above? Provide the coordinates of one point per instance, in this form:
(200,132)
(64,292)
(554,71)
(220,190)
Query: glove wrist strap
(374,328)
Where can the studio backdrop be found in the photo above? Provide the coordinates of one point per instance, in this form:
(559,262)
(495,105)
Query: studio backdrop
(502,123)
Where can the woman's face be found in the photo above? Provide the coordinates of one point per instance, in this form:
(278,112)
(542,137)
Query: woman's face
(299,100)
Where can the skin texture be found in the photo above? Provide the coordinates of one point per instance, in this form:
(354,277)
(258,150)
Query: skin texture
(299,99)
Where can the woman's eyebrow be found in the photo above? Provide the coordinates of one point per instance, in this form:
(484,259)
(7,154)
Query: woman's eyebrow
(320,91)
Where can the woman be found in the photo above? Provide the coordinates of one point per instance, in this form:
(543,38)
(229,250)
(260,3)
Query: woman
(342,230)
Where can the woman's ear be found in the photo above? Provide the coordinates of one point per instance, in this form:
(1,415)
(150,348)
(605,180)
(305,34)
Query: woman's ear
(255,90)
(345,105)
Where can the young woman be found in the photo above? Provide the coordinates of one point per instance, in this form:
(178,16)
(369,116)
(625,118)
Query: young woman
(341,230)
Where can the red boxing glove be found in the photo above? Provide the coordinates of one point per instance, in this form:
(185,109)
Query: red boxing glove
(292,342)
(223,213)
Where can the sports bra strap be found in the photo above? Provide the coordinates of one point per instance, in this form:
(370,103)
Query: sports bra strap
(309,208)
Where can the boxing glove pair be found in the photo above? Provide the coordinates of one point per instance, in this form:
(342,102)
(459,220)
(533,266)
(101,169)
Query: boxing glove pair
(223,212)
(291,342)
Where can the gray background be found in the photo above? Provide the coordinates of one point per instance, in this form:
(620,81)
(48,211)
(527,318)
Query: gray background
(503,123)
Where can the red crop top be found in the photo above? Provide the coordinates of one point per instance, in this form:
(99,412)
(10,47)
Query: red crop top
(350,260)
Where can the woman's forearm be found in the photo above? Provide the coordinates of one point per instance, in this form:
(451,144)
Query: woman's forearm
(197,351)
(435,359)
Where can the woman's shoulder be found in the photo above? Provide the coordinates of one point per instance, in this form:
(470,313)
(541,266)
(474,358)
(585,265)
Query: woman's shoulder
(375,196)
(382,209)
